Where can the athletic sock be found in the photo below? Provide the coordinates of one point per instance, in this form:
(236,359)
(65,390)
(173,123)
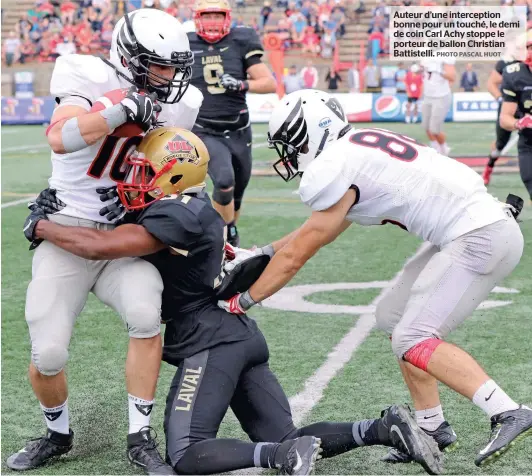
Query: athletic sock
(337,438)
(435,145)
(430,419)
(493,399)
(57,418)
(139,413)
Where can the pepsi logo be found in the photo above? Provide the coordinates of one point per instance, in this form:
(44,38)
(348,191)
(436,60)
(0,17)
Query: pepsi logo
(388,107)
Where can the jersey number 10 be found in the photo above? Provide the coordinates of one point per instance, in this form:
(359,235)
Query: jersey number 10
(107,152)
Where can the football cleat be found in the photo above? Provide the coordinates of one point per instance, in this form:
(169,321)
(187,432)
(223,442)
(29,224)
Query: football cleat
(486,175)
(444,436)
(142,451)
(301,456)
(40,451)
(507,428)
(405,435)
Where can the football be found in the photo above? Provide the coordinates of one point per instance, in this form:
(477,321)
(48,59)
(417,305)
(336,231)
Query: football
(110,99)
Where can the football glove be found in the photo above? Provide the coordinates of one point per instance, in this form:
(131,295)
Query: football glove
(238,304)
(140,109)
(524,123)
(48,202)
(114,210)
(232,84)
(242,254)
(37,214)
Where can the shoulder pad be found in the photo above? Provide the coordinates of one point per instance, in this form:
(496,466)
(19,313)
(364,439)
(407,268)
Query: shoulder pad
(183,113)
(244,33)
(81,75)
(325,181)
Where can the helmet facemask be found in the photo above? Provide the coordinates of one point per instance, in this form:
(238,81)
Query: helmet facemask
(138,60)
(212,31)
(140,188)
(289,141)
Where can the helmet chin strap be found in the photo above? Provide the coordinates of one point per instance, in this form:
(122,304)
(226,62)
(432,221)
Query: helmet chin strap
(119,73)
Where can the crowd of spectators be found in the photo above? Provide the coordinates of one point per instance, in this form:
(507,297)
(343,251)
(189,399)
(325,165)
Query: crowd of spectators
(309,25)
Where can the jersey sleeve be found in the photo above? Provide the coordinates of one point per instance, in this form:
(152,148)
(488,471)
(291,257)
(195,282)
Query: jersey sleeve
(183,113)
(508,89)
(252,48)
(325,182)
(175,222)
(77,79)
(499,66)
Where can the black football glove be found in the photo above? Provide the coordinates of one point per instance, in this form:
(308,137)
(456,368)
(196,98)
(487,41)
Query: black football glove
(141,109)
(37,214)
(114,209)
(48,202)
(232,84)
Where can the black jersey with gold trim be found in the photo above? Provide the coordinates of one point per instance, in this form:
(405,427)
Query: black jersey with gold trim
(233,55)
(517,88)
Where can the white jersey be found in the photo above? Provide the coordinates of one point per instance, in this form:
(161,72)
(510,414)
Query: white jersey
(434,84)
(432,196)
(83,79)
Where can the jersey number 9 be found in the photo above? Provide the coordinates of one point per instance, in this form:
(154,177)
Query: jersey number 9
(212,74)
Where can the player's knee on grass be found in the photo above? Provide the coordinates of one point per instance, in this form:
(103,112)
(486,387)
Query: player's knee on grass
(143,320)
(49,359)
(223,195)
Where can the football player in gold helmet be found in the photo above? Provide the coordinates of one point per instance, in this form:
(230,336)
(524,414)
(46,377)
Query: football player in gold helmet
(221,359)
(227,65)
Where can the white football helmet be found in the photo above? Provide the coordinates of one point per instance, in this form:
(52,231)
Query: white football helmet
(301,126)
(148,37)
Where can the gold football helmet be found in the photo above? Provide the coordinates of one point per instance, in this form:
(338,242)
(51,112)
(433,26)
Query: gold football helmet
(168,160)
(212,31)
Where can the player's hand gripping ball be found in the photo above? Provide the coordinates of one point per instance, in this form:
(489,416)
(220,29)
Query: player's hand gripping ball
(140,102)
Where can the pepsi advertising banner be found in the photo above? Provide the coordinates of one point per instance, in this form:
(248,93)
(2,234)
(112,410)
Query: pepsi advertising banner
(37,110)
(391,108)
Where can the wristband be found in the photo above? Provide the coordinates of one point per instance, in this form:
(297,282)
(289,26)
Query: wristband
(268,250)
(114,116)
(246,301)
(245,85)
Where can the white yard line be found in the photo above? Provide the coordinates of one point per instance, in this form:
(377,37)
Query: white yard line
(25,148)
(18,202)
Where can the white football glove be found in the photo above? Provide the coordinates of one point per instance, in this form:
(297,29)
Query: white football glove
(242,254)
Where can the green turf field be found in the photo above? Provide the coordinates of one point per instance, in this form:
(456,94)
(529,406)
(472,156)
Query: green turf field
(330,388)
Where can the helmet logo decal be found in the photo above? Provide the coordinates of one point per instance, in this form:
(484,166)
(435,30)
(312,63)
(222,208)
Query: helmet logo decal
(335,107)
(325,122)
(182,150)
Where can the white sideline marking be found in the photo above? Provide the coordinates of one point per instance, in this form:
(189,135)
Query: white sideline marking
(18,202)
(25,148)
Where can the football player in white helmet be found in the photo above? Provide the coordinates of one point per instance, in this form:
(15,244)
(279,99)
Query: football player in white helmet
(374,177)
(150,55)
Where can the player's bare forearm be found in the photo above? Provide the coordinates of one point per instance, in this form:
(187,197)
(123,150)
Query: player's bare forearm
(91,244)
(507,118)
(319,230)
(261,80)
(277,245)
(92,127)
(494,84)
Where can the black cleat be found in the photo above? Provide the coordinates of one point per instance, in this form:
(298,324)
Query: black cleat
(406,436)
(40,451)
(506,429)
(444,435)
(142,451)
(301,456)
(233,237)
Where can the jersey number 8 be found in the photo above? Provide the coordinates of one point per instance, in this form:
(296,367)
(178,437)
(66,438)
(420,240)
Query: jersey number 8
(395,145)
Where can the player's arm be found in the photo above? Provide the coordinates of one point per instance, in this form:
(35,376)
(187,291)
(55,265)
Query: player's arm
(510,102)
(449,72)
(74,128)
(494,84)
(261,80)
(320,229)
(88,243)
